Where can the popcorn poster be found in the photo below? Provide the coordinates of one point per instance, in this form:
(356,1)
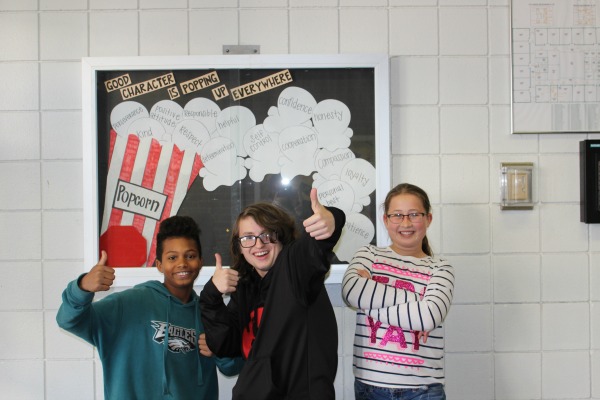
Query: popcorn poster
(206,143)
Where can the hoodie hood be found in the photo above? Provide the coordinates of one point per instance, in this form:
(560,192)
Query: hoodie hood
(173,303)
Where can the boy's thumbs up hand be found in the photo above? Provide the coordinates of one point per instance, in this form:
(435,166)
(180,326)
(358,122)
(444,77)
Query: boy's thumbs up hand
(100,277)
(225,279)
(321,224)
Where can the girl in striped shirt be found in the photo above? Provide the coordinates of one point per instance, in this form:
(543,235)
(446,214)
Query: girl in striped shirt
(402,294)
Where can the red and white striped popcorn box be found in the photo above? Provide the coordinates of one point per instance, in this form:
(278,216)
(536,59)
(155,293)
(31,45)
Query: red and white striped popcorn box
(146,183)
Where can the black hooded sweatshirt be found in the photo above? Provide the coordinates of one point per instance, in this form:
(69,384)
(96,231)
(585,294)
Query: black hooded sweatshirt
(294,351)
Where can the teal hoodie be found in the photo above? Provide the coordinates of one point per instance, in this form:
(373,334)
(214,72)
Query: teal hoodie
(141,358)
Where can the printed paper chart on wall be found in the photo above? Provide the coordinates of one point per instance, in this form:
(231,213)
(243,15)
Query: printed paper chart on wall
(555,66)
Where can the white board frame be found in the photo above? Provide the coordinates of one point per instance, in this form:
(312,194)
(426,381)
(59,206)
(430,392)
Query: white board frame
(127,277)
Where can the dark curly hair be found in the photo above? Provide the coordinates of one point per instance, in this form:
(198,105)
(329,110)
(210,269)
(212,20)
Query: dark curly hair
(177,227)
(269,216)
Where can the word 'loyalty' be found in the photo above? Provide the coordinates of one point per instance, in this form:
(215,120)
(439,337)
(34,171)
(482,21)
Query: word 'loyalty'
(357,176)
(139,200)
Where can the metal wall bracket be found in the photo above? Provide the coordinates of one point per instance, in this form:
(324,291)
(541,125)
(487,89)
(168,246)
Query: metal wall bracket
(241,49)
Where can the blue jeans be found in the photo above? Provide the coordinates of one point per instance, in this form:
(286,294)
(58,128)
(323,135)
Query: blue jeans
(362,391)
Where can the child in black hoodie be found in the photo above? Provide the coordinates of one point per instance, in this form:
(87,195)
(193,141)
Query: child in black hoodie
(279,316)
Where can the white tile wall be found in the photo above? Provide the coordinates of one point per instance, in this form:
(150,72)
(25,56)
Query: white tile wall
(364,30)
(61,135)
(20,79)
(22,379)
(62,5)
(509,338)
(20,237)
(557,316)
(525,323)
(527,288)
(70,379)
(475,238)
(470,376)
(463,31)
(60,86)
(211,29)
(14,297)
(478,337)
(63,35)
(19,32)
(514,231)
(473,279)
(556,219)
(424,169)
(517,376)
(122,37)
(321,38)
(69,244)
(463,80)
(24,181)
(595,277)
(21,335)
(464,130)
(20,134)
(424,121)
(163,33)
(416,80)
(457,172)
(595,374)
(560,380)
(565,277)
(414,31)
(265,27)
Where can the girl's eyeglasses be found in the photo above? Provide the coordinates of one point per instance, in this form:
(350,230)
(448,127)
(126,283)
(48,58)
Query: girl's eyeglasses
(398,218)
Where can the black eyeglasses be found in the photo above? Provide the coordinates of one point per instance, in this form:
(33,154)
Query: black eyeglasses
(412,217)
(250,240)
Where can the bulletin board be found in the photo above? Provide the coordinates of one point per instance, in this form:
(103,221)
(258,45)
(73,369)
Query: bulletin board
(555,52)
(207,136)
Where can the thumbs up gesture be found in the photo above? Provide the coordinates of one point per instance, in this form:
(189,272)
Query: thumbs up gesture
(100,277)
(225,279)
(321,224)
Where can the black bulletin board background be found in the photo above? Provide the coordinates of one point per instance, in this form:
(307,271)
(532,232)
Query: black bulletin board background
(216,210)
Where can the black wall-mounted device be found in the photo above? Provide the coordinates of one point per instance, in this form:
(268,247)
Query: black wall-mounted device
(589,180)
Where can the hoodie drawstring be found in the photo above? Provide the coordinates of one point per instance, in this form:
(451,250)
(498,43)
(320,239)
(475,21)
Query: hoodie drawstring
(166,390)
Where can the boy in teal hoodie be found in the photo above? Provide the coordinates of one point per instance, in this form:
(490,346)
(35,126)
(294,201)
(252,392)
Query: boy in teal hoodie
(150,338)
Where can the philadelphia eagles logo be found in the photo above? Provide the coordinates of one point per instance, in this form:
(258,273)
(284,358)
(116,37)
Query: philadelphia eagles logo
(181,340)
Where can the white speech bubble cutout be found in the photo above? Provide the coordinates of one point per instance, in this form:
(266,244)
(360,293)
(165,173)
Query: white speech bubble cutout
(263,149)
(222,166)
(331,119)
(168,113)
(147,128)
(330,163)
(357,232)
(190,134)
(336,193)
(360,174)
(298,145)
(294,107)
(233,123)
(124,114)
(203,110)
